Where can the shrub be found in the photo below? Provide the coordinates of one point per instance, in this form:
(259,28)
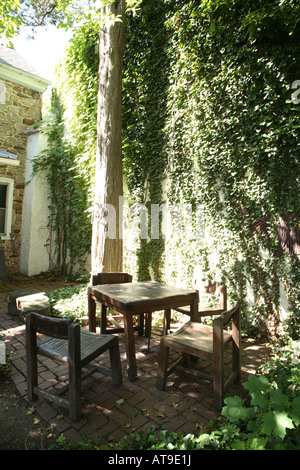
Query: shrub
(69,302)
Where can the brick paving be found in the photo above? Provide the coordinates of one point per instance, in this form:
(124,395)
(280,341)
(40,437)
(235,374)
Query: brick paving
(111,412)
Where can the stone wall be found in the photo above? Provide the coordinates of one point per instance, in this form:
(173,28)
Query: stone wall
(20,107)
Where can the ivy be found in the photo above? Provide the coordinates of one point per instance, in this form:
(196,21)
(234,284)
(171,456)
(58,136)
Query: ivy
(69,226)
(70,160)
(228,142)
(77,81)
(234,138)
(69,302)
(145,81)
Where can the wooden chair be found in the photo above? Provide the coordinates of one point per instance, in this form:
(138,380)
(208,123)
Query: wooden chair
(67,342)
(119,278)
(211,287)
(206,342)
(110,278)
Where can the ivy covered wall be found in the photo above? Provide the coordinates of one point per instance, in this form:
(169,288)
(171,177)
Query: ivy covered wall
(145,92)
(210,129)
(229,142)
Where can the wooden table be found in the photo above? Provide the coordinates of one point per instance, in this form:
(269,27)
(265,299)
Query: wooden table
(137,298)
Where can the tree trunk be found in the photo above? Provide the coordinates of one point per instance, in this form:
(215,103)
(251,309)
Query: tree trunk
(107,235)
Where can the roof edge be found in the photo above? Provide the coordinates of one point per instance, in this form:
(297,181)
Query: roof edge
(21,77)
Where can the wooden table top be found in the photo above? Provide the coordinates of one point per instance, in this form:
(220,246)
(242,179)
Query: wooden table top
(138,297)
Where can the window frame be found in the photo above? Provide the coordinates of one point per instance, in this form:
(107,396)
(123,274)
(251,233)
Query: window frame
(9,183)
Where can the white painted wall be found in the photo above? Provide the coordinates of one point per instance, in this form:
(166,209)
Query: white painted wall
(34,255)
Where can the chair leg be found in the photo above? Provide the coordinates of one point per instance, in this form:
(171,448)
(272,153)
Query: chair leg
(103,319)
(75,395)
(115,361)
(32,377)
(31,361)
(74,375)
(218,379)
(162,366)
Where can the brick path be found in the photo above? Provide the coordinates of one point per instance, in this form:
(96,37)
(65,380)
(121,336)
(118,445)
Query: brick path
(112,412)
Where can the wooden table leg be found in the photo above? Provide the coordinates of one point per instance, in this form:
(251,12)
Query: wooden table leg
(103,319)
(130,347)
(167,321)
(92,313)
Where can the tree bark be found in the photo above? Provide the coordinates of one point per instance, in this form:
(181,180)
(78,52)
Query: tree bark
(107,231)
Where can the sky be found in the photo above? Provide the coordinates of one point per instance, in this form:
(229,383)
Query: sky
(44,51)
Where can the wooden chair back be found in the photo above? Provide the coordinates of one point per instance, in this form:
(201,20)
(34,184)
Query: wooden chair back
(108,278)
(49,326)
(111,278)
(212,287)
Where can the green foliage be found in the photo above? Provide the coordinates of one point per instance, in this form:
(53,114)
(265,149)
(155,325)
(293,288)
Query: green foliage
(17,14)
(235,141)
(69,302)
(77,82)
(70,227)
(69,162)
(163,440)
(10,20)
(208,116)
(62,444)
(144,142)
(268,420)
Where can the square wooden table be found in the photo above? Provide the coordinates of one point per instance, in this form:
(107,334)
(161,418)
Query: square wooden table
(137,298)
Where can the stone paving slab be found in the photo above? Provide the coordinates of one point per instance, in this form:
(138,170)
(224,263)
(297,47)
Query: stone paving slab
(112,412)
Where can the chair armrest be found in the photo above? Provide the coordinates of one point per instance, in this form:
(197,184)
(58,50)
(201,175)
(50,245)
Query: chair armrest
(212,313)
(231,315)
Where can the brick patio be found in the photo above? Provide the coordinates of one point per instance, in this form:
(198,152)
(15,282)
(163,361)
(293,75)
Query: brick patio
(111,412)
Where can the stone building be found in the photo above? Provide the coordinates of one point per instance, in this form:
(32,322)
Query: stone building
(21,89)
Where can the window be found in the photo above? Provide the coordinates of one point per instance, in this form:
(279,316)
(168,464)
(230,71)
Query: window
(6,202)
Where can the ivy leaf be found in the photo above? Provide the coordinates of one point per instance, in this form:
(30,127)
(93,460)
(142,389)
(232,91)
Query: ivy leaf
(283,422)
(255,443)
(278,399)
(257,387)
(268,423)
(238,445)
(235,408)
(255,383)
(295,413)
(276,423)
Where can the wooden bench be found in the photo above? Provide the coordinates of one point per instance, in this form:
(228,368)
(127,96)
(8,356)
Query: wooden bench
(21,302)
